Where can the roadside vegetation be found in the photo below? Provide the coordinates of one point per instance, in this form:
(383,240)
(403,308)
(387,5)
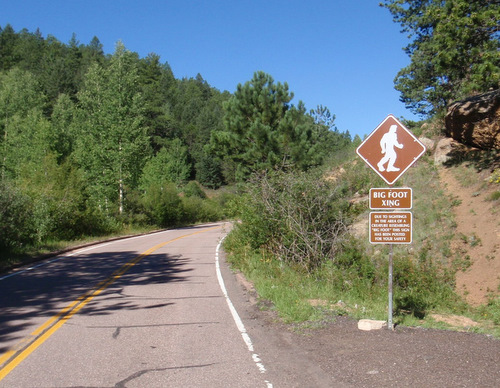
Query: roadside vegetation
(95,145)
(348,276)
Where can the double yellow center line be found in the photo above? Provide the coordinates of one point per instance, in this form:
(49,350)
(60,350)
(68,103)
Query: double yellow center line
(14,357)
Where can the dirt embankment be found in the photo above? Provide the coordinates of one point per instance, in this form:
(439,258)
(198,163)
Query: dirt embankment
(477,237)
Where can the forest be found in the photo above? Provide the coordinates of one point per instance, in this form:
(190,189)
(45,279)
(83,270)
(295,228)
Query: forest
(93,144)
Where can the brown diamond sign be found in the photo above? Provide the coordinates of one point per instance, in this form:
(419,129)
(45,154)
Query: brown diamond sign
(390,149)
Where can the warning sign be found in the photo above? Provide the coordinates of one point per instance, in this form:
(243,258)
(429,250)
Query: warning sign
(390,149)
(384,198)
(390,228)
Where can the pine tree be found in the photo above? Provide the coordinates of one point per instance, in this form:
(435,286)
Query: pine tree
(8,40)
(263,131)
(455,50)
(23,128)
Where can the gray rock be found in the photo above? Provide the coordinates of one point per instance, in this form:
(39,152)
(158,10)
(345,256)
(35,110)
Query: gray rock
(475,121)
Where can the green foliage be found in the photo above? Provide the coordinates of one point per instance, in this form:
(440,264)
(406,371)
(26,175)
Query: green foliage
(8,40)
(157,82)
(209,171)
(77,128)
(299,217)
(163,205)
(92,142)
(454,52)
(421,285)
(61,208)
(15,216)
(112,144)
(170,164)
(193,189)
(355,263)
(23,129)
(355,272)
(196,210)
(62,134)
(263,131)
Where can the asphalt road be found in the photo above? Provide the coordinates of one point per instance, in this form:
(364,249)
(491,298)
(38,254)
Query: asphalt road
(149,311)
(164,310)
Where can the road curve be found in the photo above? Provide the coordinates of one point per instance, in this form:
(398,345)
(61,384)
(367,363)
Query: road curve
(148,311)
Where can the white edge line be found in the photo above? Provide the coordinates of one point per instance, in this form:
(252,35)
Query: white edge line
(236,317)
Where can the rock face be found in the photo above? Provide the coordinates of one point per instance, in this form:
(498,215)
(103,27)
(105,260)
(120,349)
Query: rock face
(475,121)
(428,143)
(449,152)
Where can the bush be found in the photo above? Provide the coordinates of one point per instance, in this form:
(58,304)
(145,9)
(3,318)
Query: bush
(197,210)
(62,208)
(411,302)
(355,261)
(193,189)
(15,218)
(421,285)
(297,216)
(163,205)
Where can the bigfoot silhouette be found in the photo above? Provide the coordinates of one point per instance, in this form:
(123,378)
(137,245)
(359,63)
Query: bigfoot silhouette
(388,143)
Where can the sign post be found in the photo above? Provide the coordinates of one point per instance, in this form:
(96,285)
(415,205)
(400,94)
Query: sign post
(390,150)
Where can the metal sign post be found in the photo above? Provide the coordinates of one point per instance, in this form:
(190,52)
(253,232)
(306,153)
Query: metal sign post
(390,150)
(390,326)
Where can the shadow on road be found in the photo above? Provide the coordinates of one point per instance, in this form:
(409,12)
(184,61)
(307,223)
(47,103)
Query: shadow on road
(37,295)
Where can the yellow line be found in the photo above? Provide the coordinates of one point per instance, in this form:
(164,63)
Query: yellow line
(66,313)
(8,354)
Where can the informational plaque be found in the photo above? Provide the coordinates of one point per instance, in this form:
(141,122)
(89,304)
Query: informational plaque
(390,227)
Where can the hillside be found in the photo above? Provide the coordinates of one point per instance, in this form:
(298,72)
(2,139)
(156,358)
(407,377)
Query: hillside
(456,231)
(477,235)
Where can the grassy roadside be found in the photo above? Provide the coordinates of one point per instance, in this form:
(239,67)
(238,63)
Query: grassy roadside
(355,282)
(49,248)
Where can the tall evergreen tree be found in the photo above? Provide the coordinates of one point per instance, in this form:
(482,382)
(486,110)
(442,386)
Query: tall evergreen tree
(29,49)
(8,41)
(157,82)
(262,130)
(23,128)
(455,50)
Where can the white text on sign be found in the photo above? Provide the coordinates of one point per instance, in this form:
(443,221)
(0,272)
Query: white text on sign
(390,228)
(385,198)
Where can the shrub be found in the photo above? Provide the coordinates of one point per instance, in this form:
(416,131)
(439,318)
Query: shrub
(411,301)
(421,284)
(197,210)
(297,216)
(15,218)
(193,189)
(162,205)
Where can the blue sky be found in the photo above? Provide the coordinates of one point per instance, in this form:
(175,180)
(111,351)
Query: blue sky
(342,54)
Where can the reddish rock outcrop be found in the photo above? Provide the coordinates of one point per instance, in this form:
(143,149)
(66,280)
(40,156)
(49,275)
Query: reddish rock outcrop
(475,121)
